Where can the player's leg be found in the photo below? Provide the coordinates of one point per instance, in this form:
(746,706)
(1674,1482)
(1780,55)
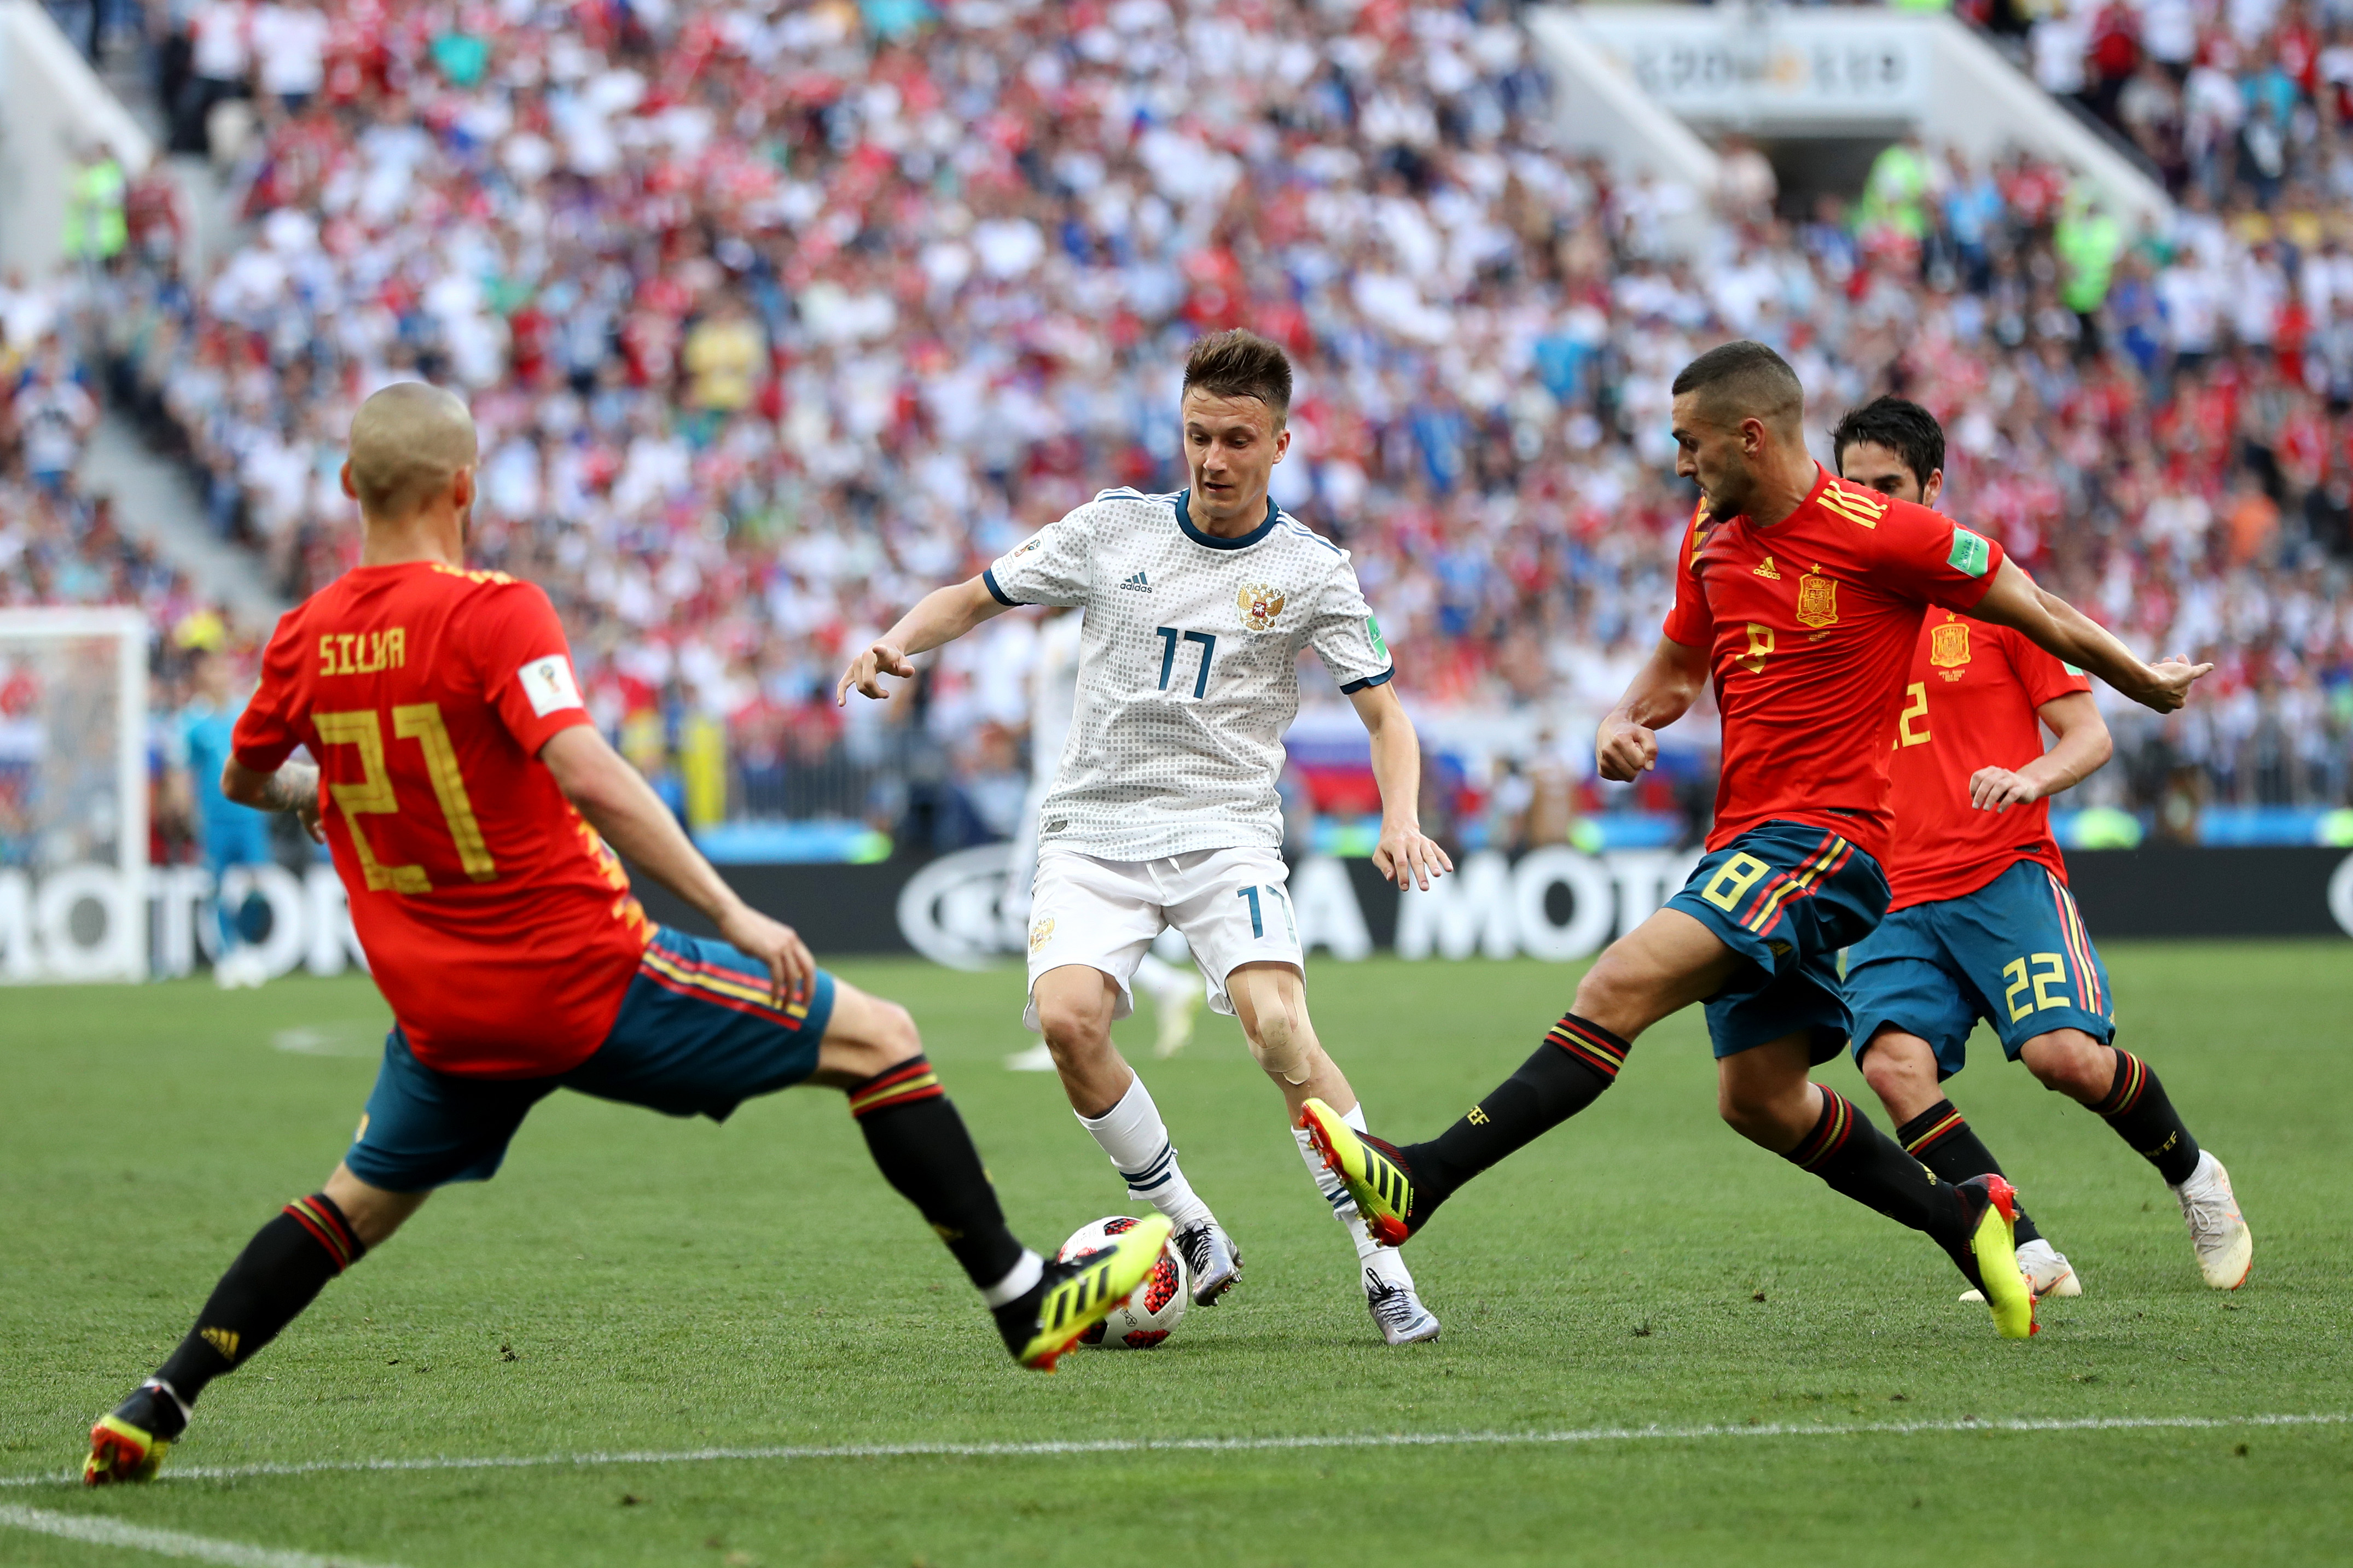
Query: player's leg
(421,1129)
(1902,1070)
(1765,1093)
(698,1033)
(1090,922)
(1270,1001)
(871,1051)
(1913,1006)
(1074,1005)
(2047,994)
(2126,1094)
(1659,968)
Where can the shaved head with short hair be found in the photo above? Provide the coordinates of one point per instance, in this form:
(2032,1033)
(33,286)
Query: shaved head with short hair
(408,441)
(1744,381)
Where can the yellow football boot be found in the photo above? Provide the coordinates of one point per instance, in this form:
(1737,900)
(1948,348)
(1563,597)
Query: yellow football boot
(1076,1295)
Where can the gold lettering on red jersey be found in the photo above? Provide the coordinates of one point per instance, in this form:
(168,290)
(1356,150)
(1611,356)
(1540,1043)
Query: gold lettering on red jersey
(1862,507)
(1949,648)
(363,653)
(1816,600)
(1766,568)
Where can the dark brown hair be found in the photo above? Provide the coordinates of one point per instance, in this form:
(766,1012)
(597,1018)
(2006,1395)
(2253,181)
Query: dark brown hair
(1744,381)
(1240,363)
(1903,427)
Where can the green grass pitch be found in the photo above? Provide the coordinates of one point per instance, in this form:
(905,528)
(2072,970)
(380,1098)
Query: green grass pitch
(631,1284)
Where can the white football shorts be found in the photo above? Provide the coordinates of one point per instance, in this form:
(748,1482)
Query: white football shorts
(1232,906)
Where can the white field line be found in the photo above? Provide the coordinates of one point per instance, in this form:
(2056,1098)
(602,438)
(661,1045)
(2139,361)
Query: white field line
(1230,1444)
(100,1531)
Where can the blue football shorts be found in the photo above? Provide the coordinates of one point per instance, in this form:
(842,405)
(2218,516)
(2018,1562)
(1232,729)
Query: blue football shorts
(696,1036)
(2014,952)
(1787,896)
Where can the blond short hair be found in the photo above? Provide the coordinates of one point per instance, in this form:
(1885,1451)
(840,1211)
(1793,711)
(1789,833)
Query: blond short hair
(408,441)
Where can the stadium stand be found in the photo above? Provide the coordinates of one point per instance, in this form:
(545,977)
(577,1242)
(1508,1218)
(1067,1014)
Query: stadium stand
(774,316)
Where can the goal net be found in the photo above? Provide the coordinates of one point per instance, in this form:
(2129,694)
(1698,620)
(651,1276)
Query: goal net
(73,794)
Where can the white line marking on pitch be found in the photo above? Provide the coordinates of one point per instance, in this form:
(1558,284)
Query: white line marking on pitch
(1233,1445)
(100,1531)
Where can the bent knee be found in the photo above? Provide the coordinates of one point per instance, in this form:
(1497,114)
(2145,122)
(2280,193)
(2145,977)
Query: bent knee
(1281,1048)
(896,1038)
(2069,1062)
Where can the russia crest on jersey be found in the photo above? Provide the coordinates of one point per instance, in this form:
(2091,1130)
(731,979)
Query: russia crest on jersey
(1260,604)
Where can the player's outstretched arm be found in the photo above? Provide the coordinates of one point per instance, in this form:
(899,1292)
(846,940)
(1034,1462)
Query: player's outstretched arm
(2082,748)
(619,803)
(2065,632)
(1405,853)
(293,787)
(1662,691)
(940,616)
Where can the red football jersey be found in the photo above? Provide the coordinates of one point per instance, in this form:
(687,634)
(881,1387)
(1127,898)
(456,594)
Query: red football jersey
(496,921)
(1809,625)
(1971,704)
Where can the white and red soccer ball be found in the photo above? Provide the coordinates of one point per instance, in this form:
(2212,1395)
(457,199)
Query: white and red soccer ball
(1151,1310)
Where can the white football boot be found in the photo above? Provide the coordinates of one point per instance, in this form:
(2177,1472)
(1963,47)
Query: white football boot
(1037,1058)
(2048,1272)
(2225,1247)
(1397,1309)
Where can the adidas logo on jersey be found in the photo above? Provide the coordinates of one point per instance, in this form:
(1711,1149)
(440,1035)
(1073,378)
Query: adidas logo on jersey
(1138,584)
(1766,569)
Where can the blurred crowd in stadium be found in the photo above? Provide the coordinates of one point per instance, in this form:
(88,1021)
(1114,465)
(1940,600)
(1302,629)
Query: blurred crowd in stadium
(775,315)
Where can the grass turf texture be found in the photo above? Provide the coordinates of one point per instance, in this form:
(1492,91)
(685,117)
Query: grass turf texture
(634,1283)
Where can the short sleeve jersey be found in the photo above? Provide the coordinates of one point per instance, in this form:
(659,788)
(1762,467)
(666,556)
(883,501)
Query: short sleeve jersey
(1809,625)
(495,921)
(1972,702)
(1188,672)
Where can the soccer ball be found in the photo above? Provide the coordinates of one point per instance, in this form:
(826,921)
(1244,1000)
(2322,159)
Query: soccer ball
(1151,1310)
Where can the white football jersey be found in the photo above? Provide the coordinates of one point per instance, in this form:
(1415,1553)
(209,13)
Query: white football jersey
(1187,669)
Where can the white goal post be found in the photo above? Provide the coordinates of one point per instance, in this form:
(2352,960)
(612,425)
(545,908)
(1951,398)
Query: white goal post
(73,793)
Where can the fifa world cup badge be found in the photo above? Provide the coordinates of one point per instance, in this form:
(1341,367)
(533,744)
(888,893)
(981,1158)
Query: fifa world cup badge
(1948,648)
(1816,600)
(1260,604)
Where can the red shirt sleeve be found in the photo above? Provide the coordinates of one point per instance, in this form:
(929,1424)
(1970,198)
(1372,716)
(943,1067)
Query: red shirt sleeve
(2046,679)
(526,665)
(1925,556)
(1689,622)
(265,735)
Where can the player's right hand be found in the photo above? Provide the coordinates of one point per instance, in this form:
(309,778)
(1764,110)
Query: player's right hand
(1625,750)
(2170,683)
(792,969)
(867,670)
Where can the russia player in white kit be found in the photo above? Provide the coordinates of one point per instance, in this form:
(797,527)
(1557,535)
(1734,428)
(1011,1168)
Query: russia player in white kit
(1163,811)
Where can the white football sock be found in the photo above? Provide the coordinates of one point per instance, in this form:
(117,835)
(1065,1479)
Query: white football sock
(1133,1134)
(1385,1261)
(1016,1281)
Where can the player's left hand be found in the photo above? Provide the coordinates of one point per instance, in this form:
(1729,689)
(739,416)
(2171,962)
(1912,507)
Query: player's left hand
(2169,690)
(1409,857)
(1999,789)
(792,969)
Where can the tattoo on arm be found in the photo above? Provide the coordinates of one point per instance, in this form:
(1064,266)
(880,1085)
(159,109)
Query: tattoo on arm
(293,787)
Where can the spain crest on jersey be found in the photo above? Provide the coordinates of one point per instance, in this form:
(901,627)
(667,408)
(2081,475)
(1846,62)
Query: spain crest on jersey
(1260,604)
(1948,646)
(1816,600)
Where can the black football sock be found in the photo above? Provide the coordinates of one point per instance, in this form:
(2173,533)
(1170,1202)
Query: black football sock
(1577,1060)
(920,1144)
(1867,1165)
(281,1270)
(1942,1139)
(2138,1108)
